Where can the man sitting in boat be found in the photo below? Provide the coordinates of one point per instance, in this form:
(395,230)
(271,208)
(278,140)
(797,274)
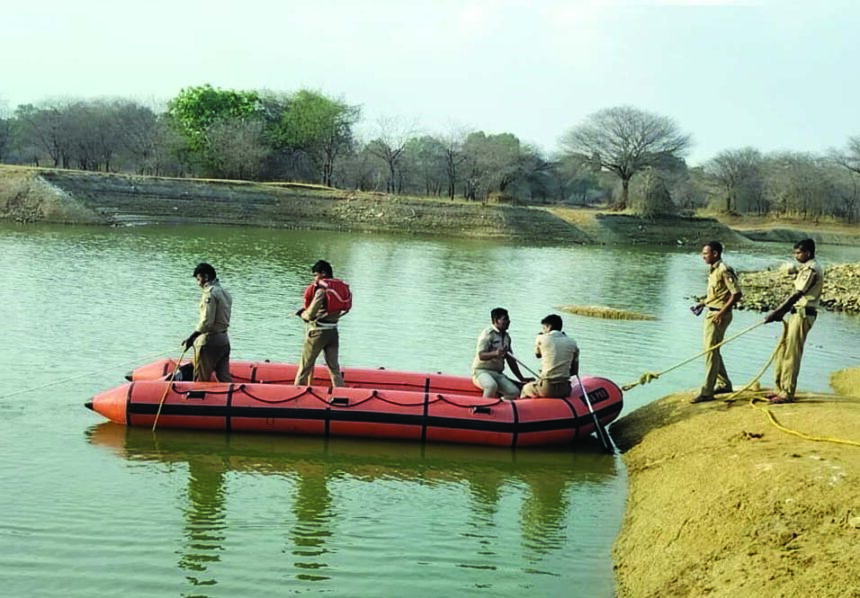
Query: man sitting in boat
(493,350)
(559,356)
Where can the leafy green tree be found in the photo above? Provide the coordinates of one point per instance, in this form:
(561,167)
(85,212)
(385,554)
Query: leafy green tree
(426,162)
(319,127)
(625,140)
(493,163)
(195,109)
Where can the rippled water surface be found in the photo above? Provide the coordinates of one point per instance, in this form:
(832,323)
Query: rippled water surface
(93,509)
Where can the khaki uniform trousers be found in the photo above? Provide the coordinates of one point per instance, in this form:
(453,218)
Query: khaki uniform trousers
(319,340)
(557,388)
(213,356)
(789,354)
(493,383)
(715,370)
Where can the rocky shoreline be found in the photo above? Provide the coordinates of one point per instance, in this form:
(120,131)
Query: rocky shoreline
(765,290)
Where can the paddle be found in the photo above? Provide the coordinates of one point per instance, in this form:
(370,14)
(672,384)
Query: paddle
(169,384)
(602,433)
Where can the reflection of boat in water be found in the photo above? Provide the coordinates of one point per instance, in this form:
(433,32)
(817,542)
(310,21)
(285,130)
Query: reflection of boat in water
(323,482)
(373,404)
(545,472)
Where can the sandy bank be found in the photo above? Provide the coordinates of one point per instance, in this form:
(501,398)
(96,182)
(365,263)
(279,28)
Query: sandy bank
(723,503)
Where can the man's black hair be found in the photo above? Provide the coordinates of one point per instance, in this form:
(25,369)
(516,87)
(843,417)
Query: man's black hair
(807,245)
(497,313)
(553,321)
(206,270)
(322,267)
(715,246)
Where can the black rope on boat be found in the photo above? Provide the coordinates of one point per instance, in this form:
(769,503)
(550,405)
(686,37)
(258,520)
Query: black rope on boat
(306,391)
(188,391)
(455,404)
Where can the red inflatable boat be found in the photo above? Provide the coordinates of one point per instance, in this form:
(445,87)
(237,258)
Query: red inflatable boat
(374,403)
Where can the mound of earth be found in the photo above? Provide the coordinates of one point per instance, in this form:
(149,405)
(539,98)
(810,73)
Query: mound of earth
(722,502)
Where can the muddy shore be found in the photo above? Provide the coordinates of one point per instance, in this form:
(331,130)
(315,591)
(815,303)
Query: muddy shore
(723,503)
(31,195)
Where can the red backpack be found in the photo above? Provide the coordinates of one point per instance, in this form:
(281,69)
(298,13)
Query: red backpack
(337,294)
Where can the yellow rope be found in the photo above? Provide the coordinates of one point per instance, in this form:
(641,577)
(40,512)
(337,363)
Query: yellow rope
(769,413)
(803,435)
(649,376)
(170,384)
(84,375)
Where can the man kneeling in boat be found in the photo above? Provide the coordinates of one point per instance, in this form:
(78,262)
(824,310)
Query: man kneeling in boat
(493,350)
(559,356)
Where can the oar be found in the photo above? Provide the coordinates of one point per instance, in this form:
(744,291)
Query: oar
(527,368)
(602,433)
(167,388)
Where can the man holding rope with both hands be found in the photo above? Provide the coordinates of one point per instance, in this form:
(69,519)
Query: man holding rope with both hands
(803,305)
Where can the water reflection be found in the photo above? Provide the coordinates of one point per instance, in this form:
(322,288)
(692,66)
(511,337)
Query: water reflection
(541,480)
(204,519)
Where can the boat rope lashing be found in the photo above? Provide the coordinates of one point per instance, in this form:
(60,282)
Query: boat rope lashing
(649,376)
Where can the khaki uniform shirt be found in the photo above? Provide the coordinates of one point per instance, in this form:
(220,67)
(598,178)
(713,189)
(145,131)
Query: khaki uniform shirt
(491,339)
(316,315)
(557,351)
(722,284)
(810,282)
(215,306)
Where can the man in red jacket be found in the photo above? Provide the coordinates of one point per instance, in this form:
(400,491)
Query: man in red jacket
(326,300)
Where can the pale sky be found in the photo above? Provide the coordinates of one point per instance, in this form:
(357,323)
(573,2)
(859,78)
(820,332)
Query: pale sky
(772,74)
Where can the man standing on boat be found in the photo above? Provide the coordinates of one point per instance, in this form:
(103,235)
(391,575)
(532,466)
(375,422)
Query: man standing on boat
(326,300)
(493,350)
(559,356)
(210,340)
(803,304)
(723,293)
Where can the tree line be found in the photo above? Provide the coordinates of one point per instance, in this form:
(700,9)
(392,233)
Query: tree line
(620,156)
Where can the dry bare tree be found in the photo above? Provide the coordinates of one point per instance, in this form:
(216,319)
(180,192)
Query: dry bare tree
(625,140)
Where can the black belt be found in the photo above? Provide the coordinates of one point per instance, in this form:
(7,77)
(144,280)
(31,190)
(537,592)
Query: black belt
(809,311)
(714,308)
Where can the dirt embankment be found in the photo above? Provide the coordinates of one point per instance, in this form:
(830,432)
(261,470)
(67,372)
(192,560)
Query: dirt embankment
(46,195)
(723,503)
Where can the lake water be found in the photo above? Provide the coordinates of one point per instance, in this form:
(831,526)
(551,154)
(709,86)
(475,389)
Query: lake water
(93,509)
